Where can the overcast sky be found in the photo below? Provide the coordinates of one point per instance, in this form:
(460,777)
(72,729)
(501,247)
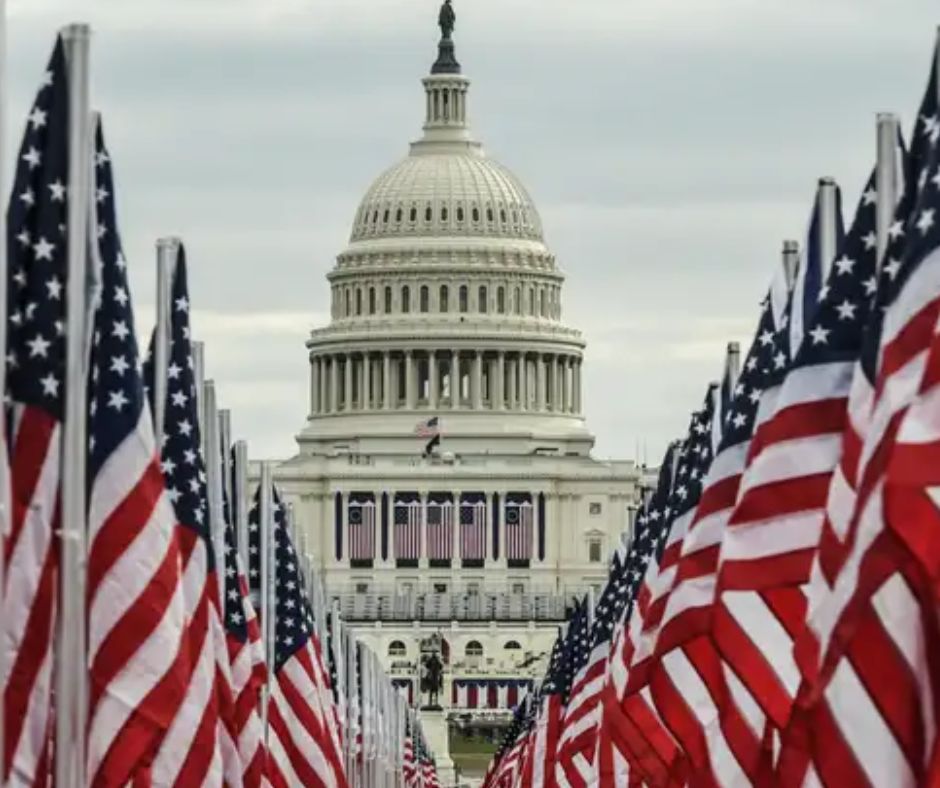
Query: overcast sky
(670,145)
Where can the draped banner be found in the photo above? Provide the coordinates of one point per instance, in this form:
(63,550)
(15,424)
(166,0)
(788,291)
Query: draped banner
(473,526)
(440,531)
(489,693)
(407,528)
(361,514)
(519,522)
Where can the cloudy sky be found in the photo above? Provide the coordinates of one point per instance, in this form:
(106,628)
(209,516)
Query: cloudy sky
(670,145)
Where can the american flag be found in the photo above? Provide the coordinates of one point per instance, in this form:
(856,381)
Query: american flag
(473,526)
(409,769)
(248,671)
(578,739)
(440,527)
(362,528)
(504,770)
(519,528)
(190,752)
(869,703)
(304,744)
(35,359)
(135,609)
(429,428)
(408,524)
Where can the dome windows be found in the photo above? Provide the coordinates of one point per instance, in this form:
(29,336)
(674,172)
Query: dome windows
(482,305)
(476,214)
(444,214)
(424,299)
(501,299)
(405,299)
(398,216)
(489,214)
(459,213)
(442,298)
(375,217)
(413,216)
(463,305)
(397,649)
(358,301)
(371,300)
(347,311)
(385,217)
(388,300)
(502,215)
(517,301)
(427,214)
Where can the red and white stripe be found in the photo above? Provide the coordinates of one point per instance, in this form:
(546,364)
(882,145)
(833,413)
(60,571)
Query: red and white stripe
(577,741)
(473,533)
(441,531)
(362,535)
(519,534)
(136,619)
(408,533)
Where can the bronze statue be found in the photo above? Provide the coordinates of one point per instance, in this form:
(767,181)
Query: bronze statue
(446,19)
(432,682)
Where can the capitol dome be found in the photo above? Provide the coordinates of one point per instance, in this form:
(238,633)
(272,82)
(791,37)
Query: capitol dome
(446,298)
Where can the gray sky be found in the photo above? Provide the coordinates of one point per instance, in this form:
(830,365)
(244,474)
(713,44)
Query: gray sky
(669,145)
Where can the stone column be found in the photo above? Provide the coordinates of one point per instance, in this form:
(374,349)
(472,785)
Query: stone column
(433,381)
(551,397)
(334,383)
(366,397)
(455,379)
(409,380)
(314,386)
(500,388)
(512,366)
(478,380)
(347,382)
(539,382)
(324,385)
(386,380)
(577,386)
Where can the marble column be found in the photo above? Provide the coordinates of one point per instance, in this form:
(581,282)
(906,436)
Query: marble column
(409,380)
(314,387)
(347,382)
(577,386)
(478,381)
(386,380)
(551,388)
(499,392)
(512,366)
(334,384)
(539,382)
(366,393)
(433,380)
(455,379)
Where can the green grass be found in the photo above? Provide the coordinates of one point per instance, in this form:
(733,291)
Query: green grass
(471,756)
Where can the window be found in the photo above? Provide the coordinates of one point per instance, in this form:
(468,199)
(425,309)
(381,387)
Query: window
(444,214)
(517,588)
(427,214)
(476,214)
(502,215)
(362,588)
(371,300)
(413,216)
(474,653)
(542,306)
(405,299)
(439,588)
(489,214)
(481,300)
(398,215)
(500,300)
(459,213)
(397,649)
(388,300)
(594,508)
(442,299)
(532,301)
(463,298)
(512,645)
(594,551)
(425,298)
(358,300)
(348,310)
(517,301)
(385,217)
(375,217)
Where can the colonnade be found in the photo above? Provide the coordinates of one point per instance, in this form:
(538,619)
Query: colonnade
(440,379)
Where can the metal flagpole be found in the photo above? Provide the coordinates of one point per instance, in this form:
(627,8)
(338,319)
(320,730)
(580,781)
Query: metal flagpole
(199,378)
(827,226)
(225,439)
(213,461)
(167,253)
(791,262)
(886,180)
(71,675)
(266,602)
(240,500)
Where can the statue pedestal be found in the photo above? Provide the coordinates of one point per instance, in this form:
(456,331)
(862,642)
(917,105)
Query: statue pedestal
(434,725)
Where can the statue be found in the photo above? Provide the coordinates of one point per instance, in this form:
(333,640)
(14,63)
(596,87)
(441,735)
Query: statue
(432,680)
(446,20)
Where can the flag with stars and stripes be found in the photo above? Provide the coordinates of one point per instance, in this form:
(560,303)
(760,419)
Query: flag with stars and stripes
(866,711)
(135,605)
(505,767)
(304,743)
(191,750)
(35,398)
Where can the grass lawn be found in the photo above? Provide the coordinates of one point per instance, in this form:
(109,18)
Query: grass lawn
(471,756)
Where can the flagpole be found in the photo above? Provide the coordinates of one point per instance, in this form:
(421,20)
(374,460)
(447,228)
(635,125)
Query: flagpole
(225,441)
(239,502)
(791,262)
(266,606)
(199,378)
(71,674)
(167,254)
(827,226)
(214,484)
(886,180)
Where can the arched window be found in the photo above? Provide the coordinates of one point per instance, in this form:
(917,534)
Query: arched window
(371,300)
(482,305)
(502,215)
(501,299)
(489,214)
(442,299)
(532,301)
(385,217)
(517,301)
(405,299)
(398,215)
(512,645)
(375,217)
(358,300)
(427,214)
(414,214)
(444,214)
(474,653)
(425,298)
(397,649)
(388,300)
(348,310)
(476,214)
(543,307)
(463,298)
(459,213)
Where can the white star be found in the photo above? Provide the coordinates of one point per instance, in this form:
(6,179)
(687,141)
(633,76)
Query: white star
(117,400)
(58,191)
(119,365)
(28,197)
(173,494)
(54,286)
(23,238)
(120,295)
(37,118)
(846,310)
(59,328)
(189,456)
(236,618)
(102,231)
(32,157)
(823,295)
(925,221)
(892,267)
(39,346)
(43,249)
(194,485)
(11,360)
(121,261)
(101,194)
(766,338)
(870,240)
(173,371)
(168,466)
(185,427)
(844,265)
(780,360)
(936,178)
(739,420)
(179,399)
(931,127)
(182,304)
(120,330)
(820,335)
(30,309)
(50,385)
(101,158)
(896,230)
(870,285)
(870,197)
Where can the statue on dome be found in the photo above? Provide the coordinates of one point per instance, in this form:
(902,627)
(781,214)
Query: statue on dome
(446,19)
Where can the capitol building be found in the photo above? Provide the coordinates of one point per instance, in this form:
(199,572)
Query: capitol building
(447,320)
